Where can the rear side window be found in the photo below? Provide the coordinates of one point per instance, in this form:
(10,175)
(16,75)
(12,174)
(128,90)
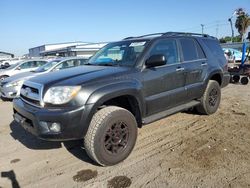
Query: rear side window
(188,49)
(214,47)
(200,52)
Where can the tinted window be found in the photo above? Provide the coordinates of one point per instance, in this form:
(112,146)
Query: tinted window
(214,47)
(168,48)
(40,63)
(28,65)
(201,54)
(67,64)
(188,49)
(81,61)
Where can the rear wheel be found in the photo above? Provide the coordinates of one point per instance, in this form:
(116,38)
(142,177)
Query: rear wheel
(111,135)
(244,80)
(211,99)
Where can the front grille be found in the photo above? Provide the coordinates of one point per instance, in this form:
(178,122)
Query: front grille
(34,90)
(29,100)
(31,93)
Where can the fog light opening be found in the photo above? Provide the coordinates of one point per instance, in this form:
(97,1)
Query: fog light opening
(55,127)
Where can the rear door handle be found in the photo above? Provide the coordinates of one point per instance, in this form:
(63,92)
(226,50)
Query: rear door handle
(180,69)
(203,64)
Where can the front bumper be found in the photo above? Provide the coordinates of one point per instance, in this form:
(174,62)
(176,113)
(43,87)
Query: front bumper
(72,121)
(10,92)
(225,79)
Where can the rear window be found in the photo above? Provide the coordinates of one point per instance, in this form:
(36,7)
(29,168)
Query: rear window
(214,47)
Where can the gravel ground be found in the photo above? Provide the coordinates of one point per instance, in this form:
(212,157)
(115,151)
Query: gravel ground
(183,150)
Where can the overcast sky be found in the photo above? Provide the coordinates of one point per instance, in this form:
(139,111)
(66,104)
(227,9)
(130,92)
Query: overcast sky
(29,23)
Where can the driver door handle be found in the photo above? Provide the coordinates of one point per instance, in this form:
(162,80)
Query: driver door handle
(180,69)
(203,64)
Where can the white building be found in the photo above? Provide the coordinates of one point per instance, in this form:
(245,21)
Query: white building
(36,51)
(66,49)
(5,55)
(83,50)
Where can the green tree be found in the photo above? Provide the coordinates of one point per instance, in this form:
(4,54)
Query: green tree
(228,39)
(242,22)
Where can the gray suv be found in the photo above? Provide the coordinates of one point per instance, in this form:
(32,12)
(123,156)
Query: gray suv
(125,85)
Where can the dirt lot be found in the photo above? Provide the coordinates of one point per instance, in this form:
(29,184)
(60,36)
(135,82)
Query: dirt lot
(183,150)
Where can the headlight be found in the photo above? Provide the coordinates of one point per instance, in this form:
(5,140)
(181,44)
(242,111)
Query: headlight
(15,83)
(61,94)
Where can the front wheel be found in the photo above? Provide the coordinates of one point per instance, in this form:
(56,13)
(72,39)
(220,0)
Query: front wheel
(3,77)
(211,99)
(111,135)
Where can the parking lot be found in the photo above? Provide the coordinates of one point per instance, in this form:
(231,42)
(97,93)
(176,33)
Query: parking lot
(183,150)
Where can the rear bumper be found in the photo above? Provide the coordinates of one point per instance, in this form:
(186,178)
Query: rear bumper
(72,121)
(225,79)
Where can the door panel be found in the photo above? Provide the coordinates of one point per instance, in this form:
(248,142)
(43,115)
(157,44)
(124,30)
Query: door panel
(196,72)
(164,86)
(195,64)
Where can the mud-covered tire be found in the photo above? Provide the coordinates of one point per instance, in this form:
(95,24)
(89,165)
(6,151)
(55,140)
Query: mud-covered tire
(111,135)
(211,99)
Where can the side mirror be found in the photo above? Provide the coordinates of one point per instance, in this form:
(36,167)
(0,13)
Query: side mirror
(18,68)
(155,61)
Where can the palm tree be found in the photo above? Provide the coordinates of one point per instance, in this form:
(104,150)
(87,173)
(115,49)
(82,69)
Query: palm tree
(242,22)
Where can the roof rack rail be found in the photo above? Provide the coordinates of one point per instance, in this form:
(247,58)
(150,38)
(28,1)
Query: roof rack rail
(148,35)
(170,34)
(185,33)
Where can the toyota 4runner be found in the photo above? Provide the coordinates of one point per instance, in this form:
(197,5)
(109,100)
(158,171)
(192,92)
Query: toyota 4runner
(124,85)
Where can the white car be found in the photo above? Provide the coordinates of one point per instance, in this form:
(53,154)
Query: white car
(10,87)
(23,66)
(11,61)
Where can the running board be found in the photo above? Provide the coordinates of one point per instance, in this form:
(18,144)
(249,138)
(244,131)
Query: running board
(168,112)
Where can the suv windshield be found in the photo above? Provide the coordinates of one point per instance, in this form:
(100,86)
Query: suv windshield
(47,66)
(122,53)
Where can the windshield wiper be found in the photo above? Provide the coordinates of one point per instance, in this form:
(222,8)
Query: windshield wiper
(107,64)
(87,64)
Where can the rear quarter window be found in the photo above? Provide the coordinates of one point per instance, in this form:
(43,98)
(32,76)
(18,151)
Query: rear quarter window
(214,47)
(191,50)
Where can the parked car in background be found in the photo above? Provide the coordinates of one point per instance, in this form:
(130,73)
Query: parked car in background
(10,87)
(11,61)
(4,65)
(23,66)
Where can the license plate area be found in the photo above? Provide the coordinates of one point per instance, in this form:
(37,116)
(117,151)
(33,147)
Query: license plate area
(18,118)
(22,120)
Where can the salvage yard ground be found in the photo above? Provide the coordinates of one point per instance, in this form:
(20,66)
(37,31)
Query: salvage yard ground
(183,150)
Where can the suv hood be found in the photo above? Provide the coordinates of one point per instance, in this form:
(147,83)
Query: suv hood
(79,75)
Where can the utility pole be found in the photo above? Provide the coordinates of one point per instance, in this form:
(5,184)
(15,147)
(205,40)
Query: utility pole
(230,20)
(231,23)
(217,29)
(202,28)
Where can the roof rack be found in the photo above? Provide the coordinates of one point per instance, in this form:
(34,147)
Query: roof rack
(148,35)
(171,34)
